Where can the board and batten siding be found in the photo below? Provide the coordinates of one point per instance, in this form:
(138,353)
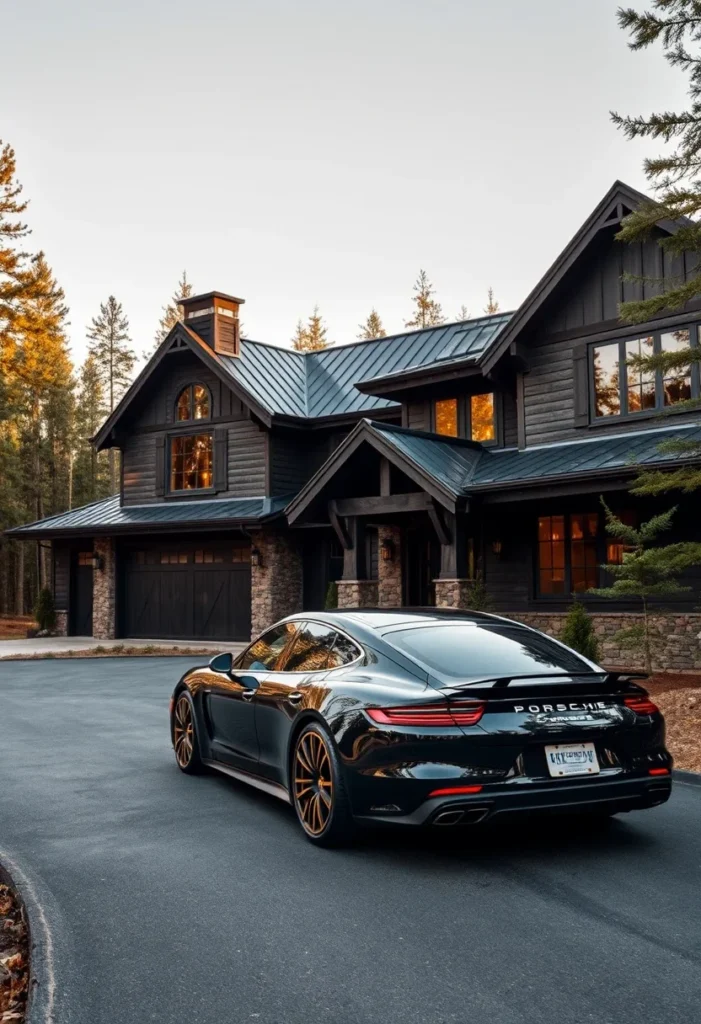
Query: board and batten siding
(62,576)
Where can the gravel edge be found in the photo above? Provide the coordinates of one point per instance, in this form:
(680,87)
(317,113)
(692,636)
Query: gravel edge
(42,983)
(685,777)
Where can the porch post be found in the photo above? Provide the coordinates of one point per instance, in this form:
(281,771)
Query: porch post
(104,589)
(453,586)
(389,569)
(354,589)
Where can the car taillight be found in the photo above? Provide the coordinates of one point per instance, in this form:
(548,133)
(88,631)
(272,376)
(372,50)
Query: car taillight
(455,790)
(641,705)
(659,771)
(461,713)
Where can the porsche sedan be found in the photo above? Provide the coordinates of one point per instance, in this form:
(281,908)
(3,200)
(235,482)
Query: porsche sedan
(425,717)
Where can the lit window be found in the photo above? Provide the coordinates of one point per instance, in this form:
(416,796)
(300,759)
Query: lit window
(191,462)
(446,417)
(676,384)
(482,417)
(551,554)
(193,403)
(85,558)
(606,381)
(583,560)
(641,386)
(615,548)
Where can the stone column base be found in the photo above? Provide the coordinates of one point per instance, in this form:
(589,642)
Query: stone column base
(104,590)
(453,593)
(389,584)
(357,593)
(61,623)
(276,580)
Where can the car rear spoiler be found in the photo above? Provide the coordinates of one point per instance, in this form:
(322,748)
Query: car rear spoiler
(615,679)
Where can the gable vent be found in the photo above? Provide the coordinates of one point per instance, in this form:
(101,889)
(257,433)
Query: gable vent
(215,317)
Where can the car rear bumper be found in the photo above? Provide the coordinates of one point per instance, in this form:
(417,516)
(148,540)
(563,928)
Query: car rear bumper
(610,796)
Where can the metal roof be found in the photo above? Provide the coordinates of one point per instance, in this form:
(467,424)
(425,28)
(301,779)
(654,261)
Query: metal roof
(109,515)
(315,384)
(463,471)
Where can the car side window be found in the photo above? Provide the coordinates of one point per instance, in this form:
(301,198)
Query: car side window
(265,651)
(343,652)
(311,648)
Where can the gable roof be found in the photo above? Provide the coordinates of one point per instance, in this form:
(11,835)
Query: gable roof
(619,197)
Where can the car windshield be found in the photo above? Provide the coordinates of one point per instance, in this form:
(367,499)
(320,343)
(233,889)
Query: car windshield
(472,650)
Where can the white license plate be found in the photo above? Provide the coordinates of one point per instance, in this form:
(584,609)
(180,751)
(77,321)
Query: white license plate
(572,759)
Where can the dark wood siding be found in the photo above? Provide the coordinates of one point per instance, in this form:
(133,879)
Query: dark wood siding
(291,454)
(139,468)
(62,575)
(246,454)
(418,415)
(509,420)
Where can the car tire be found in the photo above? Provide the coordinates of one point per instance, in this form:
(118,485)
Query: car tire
(318,790)
(184,734)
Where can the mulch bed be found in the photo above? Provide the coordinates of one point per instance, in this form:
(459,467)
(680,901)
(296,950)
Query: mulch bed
(678,696)
(14,627)
(14,955)
(117,652)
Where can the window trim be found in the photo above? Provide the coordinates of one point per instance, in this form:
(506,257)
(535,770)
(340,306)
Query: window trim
(191,389)
(464,416)
(694,328)
(601,538)
(188,491)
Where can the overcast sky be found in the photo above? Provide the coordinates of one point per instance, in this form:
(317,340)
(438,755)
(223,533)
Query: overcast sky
(309,152)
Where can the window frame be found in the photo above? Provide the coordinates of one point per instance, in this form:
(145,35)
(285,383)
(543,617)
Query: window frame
(280,665)
(464,400)
(283,653)
(625,416)
(170,439)
(190,388)
(602,539)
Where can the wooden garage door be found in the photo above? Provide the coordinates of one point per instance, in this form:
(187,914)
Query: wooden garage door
(187,592)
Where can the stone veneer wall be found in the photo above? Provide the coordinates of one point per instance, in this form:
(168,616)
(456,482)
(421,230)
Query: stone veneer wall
(104,595)
(453,593)
(389,574)
(678,649)
(357,593)
(276,583)
(62,623)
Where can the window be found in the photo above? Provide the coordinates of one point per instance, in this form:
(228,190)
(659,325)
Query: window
(343,653)
(193,403)
(311,648)
(85,558)
(551,554)
(615,547)
(482,427)
(472,650)
(265,651)
(584,562)
(445,414)
(570,550)
(191,462)
(173,557)
(205,556)
(624,390)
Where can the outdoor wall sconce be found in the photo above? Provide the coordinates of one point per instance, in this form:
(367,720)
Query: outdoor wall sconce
(387,550)
(255,557)
(98,562)
(496,547)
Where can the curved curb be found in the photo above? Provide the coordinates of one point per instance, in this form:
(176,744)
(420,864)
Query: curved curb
(42,978)
(686,778)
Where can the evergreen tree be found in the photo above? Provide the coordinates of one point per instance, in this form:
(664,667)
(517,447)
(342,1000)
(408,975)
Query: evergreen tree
(492,304)
(578,632)
(44,610)
(464,314)
(109,344)
(646,572)
(427,312)
(91,470)
(675,179)
(13,261)
(312,336)
(372,328)
(173,312)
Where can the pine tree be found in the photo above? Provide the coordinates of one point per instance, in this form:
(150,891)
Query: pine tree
(372,328)
(313,336)
(13,261)
(463,315)
(91,471)
(492,304)
(109,344)
(578,632)
(427,312)
(173,312)
(646,572)
(675,179)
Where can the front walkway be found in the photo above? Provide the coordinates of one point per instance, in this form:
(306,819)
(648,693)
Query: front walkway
(61,644)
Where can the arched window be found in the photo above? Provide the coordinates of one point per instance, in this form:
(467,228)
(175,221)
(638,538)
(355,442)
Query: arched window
(193,403)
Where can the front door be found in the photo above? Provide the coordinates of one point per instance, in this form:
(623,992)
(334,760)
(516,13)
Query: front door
(81,594)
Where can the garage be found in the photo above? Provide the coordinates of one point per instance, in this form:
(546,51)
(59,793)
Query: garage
(186,591)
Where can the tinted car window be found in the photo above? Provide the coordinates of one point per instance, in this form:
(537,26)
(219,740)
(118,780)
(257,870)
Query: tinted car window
(264,652)
(343,652)
(311,648)
(475,651)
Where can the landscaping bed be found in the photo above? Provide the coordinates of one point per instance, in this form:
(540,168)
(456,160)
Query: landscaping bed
(119,651)
(14,954)
(679,699)
(14,627)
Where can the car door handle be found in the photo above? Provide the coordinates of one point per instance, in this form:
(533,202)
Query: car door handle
(248,694)
(295,697)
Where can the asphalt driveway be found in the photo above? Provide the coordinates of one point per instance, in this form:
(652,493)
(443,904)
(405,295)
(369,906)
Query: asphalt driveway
(197,901)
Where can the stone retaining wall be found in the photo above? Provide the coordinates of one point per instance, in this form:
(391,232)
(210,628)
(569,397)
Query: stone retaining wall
(677,649)
(453,593)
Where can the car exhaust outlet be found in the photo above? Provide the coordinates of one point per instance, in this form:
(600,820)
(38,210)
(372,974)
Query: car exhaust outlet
(474,815)
(448,818)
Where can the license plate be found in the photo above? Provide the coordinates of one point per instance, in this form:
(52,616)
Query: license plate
(572,759)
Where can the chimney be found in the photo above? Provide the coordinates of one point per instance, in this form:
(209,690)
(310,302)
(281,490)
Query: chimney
(215,317)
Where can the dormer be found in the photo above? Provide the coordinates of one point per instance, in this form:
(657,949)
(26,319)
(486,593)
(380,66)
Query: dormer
(214,316)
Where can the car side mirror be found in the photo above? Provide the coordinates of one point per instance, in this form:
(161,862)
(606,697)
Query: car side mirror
(222,663)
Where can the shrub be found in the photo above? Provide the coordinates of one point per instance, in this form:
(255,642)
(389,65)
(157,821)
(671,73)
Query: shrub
(331,600)
(44,611)
(578,632)
(477,596)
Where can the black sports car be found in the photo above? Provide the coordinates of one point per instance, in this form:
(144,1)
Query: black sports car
(421,717)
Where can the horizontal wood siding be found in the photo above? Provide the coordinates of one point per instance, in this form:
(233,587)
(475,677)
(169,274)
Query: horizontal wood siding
(155,406)
(418,416)
(139,461)
(246,451)
(291,455)
(62,576)
(509,420)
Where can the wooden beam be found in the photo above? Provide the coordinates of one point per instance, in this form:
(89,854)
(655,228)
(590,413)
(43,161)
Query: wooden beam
(354,566)
(384,477)
(415,501)
(443,533)
(339,526)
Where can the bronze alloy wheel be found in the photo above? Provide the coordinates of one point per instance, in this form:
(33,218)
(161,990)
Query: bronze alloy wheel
(313,783)
(183,732)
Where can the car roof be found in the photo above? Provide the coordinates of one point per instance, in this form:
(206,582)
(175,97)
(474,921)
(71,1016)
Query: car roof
(380,619)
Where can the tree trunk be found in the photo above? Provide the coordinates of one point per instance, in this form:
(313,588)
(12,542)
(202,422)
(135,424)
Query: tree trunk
(19,588)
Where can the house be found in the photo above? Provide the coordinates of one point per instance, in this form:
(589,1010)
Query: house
(252,475)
